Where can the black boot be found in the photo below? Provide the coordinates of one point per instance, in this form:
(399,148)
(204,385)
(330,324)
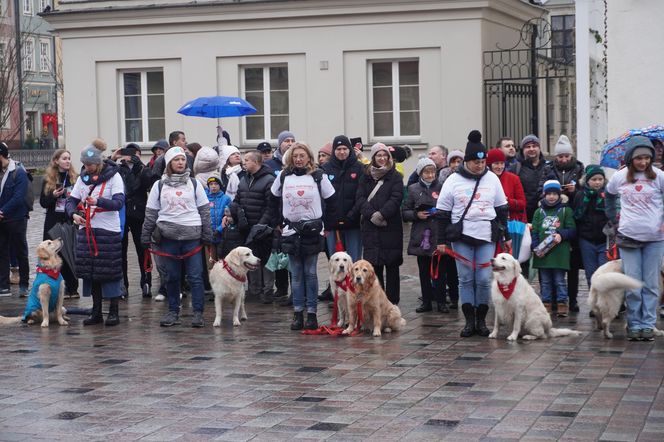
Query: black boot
(424,307)
(326,295)
(469,313)
(480,313)
(312,322)
(113,317)
(95,315)
(442,308)
(298,321)
(288,302)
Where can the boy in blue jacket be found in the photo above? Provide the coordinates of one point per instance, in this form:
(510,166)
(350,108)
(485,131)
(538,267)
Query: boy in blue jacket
(219,202)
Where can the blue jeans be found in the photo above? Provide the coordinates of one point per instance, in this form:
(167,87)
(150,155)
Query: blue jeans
(474,284)
(593,255)
(643,264)
(172,268)
(304,282)
(550,280)
(352,240)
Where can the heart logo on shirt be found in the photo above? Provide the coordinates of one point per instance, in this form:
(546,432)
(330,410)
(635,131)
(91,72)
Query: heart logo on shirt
(477,196)
(353,175)
(300,192)
(638,187)
(178,193)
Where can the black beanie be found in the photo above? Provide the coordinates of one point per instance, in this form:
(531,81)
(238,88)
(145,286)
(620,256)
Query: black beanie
(341,140)
(475,150)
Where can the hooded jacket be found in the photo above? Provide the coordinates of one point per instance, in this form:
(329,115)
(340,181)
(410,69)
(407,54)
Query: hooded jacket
(13,188)
(345,177)
(206,164)
(530,180)
(569,173)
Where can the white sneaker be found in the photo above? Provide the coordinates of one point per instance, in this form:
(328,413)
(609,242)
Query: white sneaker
(159,298)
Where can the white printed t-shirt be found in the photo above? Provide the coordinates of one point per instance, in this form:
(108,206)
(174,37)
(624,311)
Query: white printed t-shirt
(101,220)
(301,200)
(178,205)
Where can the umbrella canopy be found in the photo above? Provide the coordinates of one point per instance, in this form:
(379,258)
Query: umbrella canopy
(614,151)
(67,234)
(217,107)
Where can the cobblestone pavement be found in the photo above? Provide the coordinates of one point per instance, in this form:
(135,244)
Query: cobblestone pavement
(263,382)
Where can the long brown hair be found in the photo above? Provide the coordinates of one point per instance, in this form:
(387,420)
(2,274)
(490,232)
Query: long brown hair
(52,174)
(631,171)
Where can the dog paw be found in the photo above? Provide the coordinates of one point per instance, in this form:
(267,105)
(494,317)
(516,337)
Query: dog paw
(529,337)
(244,318)
(236,322)
(387,330)
(512,337)
(493,335)
(44,324)
(63,322)
(217,323)
(608,335)
(376,334)
(340,324)
(347,331)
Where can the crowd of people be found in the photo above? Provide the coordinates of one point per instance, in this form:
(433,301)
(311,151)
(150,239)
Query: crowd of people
(191,204)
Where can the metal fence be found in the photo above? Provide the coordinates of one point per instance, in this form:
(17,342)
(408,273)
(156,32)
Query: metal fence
(32,158)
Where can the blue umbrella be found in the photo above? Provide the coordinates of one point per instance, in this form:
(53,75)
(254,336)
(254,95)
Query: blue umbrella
(614,151)
(217,107)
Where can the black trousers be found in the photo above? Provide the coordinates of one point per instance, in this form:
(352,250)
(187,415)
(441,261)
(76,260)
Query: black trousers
(432,289)
(281,281)
(450,281)
(134,226)
(390,281)
(13,234)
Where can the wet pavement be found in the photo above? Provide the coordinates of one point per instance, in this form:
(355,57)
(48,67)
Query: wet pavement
(262,381)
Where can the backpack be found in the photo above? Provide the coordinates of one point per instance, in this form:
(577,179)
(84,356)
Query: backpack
(29,198)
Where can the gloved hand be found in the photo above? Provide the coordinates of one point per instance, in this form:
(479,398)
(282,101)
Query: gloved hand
(378,220)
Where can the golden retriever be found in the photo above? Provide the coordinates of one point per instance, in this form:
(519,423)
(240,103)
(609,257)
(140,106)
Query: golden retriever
(341,285)
(607,292)
(522,310)
(227,278)
(44,299)
(379,314)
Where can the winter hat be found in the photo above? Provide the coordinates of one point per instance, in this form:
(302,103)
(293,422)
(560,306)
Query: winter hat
(529,139)
(592,170)
(282,136)
(377,148)
(552,186)
(475,150)
(91,155)
(400,153)
(4,150)
(454,154)
(225,153)
(214,177)
(206,160)
(495,156)
(636,146)
(341,140)
(175,151)
(264,146)
(326,149)
(563,146)
(160,144)
(422,163)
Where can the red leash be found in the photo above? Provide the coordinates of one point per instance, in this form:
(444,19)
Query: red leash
(434,267)
(89,214)
(332,329)
(466,261)
(147,261)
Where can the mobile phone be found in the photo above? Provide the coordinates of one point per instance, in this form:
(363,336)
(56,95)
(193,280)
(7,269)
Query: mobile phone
(355,141)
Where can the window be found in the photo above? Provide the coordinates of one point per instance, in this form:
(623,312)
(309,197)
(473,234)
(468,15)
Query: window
(143,110)
(27,7)
(395,99)
(266,88)
(562,38)
(29,55)
(44,55)
(43,4)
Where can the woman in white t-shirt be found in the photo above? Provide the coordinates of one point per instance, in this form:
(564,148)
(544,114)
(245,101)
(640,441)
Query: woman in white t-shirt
(95,205)
(640,234)
(302,189)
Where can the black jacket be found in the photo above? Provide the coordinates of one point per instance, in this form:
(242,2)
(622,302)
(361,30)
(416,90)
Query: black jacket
(345,178)
(137,179)
(590,225)
(49,202)
(421,197)
(564,175)
(382,245)
(253,198)
(530,177)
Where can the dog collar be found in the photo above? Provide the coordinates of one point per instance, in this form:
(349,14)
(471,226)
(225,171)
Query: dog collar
(55,274)
(507,289)
(346,284)
(232,273)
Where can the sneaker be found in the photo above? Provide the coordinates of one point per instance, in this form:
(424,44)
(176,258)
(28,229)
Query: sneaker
(633,334)
(5,292)
(170,319)
(197,321)
(14,277)
(647,334)
(22,292)
(159,298)
(562,309)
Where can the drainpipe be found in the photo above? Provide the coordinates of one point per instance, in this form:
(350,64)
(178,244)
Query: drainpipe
(19,70)
(583,145)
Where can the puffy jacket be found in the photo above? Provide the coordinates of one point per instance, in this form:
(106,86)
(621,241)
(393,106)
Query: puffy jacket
(218,203)
(564,174)
(530,179)
(419,197)
(382,245)
(589,226)
(345,177)
(137,179)
(13,188)
(275,163)
(254,197)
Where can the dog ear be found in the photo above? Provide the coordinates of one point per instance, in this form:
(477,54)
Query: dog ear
(233,257)
(370,275)
(516,267)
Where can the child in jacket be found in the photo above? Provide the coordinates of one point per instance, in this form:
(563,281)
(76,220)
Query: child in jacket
(219,201)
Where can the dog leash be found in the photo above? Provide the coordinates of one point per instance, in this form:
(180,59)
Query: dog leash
(89,214)
(434,267)
(333,329)
(147,261)
(472,264)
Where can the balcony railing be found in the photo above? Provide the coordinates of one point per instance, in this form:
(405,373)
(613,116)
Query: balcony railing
(32,158)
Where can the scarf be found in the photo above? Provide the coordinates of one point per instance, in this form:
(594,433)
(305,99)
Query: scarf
(377,173)
(176,179)
(234,169)
(426,184)
(588,195)
(51,273)
(507,289)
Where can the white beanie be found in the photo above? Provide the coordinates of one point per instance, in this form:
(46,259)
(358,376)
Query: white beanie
(378,147)
(171,153)
(225,153)
(422,163)
(454,154)
(563,146)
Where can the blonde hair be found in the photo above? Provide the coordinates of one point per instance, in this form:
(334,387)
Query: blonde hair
(52,173)
(288,157)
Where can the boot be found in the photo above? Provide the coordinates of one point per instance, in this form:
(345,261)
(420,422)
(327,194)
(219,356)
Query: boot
(14,277)
(480,325)
(424,307)
(563,310)
(113,317)
(547,306)
(326,295)
(288,302)
(469,313)
(298,321)
(266,297)
(442,307)
(312,322)
(95,315)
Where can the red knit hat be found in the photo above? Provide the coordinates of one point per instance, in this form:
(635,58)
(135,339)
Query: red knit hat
(495,156)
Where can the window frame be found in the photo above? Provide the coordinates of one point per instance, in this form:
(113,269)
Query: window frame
(145,117)
(267,114)
(43,4)
(31,68)
(396,104)
(563,31)
(47,54)
(28,8)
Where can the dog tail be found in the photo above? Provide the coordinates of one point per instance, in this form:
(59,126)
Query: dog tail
(4,320)
(557,332)
(614,280)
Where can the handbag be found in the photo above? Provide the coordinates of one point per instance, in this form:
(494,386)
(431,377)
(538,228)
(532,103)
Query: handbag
(454,231)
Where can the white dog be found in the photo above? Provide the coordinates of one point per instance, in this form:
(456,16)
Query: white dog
(516,303)
(607,292)
(227,279)
(341,285)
